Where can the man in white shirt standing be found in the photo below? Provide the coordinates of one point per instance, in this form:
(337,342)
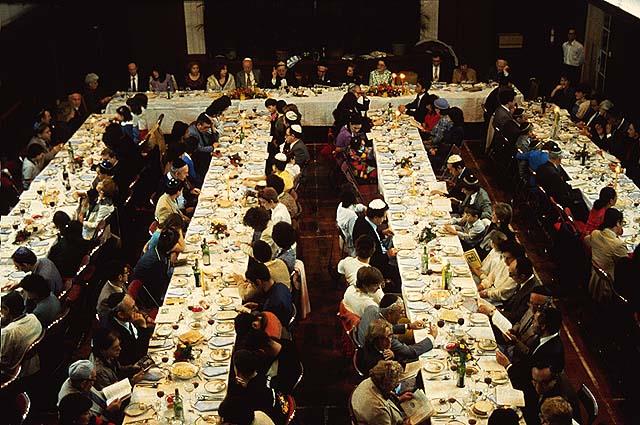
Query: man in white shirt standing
(572,55)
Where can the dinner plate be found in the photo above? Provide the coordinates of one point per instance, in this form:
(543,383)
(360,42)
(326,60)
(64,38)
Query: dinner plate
(451,250)
(180,282)
(462,270)
(226,315)
(194,238)
(215,386)
(225,327)
(434,366)
(478,318)
(220,354)
(414,296)
(411,275)
(135,409)
(487,344)
(499,377)
(413,284)
(468,292)
(208,420)
(441,406)
(406,254)
(223,301)
(163,330)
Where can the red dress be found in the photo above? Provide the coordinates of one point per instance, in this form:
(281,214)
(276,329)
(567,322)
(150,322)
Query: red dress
(430,120)
(596,217)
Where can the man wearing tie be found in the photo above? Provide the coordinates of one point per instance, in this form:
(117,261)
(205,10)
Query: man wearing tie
(438,71)
(418,108)
(136,83)
(248,77)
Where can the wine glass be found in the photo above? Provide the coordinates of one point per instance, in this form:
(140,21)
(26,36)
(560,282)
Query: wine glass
(15,225)
(189,387)
(488,381)
(160,395)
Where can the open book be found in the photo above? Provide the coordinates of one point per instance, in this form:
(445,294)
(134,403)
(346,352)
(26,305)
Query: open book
(418,408)
(501,322)
(473,259)
(120,389)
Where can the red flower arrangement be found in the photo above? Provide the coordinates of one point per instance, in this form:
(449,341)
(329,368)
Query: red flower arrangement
(385,90)
(243,93)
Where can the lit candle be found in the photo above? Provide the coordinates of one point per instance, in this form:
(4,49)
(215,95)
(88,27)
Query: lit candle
(393,79)
(556,122)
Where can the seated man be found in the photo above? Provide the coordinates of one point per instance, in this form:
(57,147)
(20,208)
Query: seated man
(556,411)
(134,328)
(366,292)
(475,196)
(82,375)
(553,179)
(418,108)
(321,76)
(463,73)
(349,266)
(19,331)
(469,228)
(375,216)
(294,147)
(457,171)
(39,299)
(498,285)
(117,276)
(277,268)
(201,131)
(548,383)
(277,297)
(521,271)
(549,350)
(32,165)
(26,261)
(279,77)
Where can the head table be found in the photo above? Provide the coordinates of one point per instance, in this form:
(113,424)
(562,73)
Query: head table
(411,208)
(316,106)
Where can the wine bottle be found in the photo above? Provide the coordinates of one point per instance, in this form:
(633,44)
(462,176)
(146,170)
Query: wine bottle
(206,255)
(424,265)
(583,154)
(178,407)
(65,173)
(445,268)
(196,273)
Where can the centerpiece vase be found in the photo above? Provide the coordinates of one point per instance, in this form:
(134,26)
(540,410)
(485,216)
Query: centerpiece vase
(462,371)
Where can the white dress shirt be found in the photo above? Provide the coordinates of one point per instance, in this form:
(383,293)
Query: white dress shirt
(349,267)
(435,72)
(133,83)
(544,340)
(357,301)
(573,53)
(280,213)
(16,338)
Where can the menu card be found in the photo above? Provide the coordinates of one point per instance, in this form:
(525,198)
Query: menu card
(418,408)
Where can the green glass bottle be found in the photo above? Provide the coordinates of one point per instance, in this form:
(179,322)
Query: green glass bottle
(206,255)
(196,273)
(178,407)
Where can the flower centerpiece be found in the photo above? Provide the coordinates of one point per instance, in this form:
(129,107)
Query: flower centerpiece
(218,229)
(427,235)
(242,93)
(461,352)
(183,352)
(385,90)
(405,162)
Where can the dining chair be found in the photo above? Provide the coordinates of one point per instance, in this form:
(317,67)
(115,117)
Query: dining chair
(589,403)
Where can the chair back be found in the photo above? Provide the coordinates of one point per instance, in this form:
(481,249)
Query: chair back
(51,351)
(299,377)
(589,403)
(352,413)
(23,406)
(134,288)
(357,362)
(600,284)
(291,409)
(353,336)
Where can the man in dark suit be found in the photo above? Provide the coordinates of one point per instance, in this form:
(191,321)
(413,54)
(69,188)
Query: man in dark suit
(501,68)
(549,351)
(368,224)
(553,179)
(549,382)
(617,141)
(280,79)
(248,77)
(321,76)
(294,147)
(134,329)
(418,108)
(474,196)
(135,81)
(503,114)
(438,72)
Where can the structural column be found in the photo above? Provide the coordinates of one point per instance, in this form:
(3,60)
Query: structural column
(194,26)
(429,20)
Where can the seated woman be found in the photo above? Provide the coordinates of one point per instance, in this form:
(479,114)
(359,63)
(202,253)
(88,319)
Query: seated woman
(125,118)
(154,269)
(69,249)
(493,257)
(95,210)
(453,136)
(366,292)
(173,221)
(607,199)
(277,359)
(160,81)
(106,351)
(284,236)
(168,202)
(259,219)
(372,399)
(500,221)
(194,80)
(377,344)
(221,79)
(432,116)
(351,136)
(606,246)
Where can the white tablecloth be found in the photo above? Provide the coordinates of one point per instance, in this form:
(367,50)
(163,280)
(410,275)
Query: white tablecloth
(316,110)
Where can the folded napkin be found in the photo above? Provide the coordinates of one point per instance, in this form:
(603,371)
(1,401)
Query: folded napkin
(211,371)
(207,405)
(177,292)
(221,341)
(153,375)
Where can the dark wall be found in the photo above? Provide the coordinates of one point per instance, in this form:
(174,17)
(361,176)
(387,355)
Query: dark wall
(47,53)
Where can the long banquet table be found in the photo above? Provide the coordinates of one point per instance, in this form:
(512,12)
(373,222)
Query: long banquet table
(316,109)
(411,208)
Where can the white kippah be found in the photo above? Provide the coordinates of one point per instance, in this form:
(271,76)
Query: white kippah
(247,59)
(377,204)
(291,116)
(281,157)
(296,128)
(453,159)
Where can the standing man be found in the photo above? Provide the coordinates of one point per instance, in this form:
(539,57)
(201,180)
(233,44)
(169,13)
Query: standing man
(136,83)
(572,55)
(248,77)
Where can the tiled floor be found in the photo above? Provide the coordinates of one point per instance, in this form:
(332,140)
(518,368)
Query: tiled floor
(329,376)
